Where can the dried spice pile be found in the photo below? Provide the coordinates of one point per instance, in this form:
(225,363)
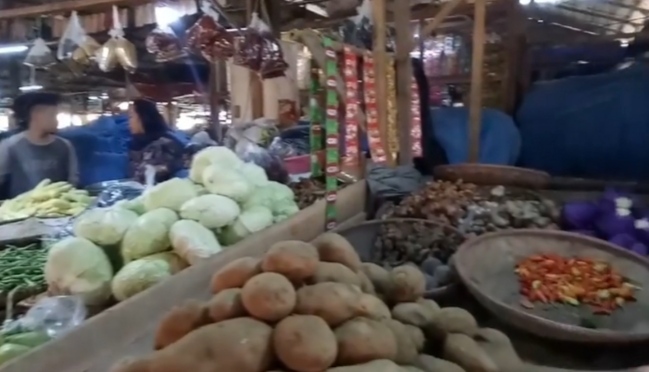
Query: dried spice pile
(309,190)
(549,278)
(428,246)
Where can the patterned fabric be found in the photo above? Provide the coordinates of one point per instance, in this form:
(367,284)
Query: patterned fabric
(167,155)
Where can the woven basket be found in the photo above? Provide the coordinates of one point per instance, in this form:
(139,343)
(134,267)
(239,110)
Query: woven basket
(485,174)
(363,236)
(486,266)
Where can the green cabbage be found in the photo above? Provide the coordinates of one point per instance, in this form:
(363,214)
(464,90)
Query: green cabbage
(104,226)
(192,241)
(75,266)
(211,211)
(227,182)
(169,194)
(214,155)
(139,275)
(251,220)
(148,235)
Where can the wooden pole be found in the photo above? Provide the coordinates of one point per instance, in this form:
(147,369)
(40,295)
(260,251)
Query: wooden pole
(475,98)
(256,87)
(405,46)
(446,11)
(380,70)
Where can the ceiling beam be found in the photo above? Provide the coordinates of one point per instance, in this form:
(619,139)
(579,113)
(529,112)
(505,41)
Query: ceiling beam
(596,14)
(65,6)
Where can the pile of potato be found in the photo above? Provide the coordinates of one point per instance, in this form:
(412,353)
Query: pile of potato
(313,308)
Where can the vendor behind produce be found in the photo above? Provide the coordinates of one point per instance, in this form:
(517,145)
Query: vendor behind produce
(36,152)
(153,143)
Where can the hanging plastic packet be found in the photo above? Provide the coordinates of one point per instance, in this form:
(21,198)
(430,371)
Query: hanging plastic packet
(249,50)
(71,39)
(209,38)
(272,64)
(39,56)
(163,43)
(117,50)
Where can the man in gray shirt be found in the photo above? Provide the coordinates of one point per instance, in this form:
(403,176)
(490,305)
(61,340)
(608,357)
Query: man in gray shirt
(36,152)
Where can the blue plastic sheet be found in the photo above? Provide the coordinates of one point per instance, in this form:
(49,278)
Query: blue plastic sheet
(500,140)
(592,126)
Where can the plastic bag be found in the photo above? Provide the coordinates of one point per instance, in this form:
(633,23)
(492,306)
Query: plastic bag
(110,192)
(249,51)
(54,316)
(272,59)
(117,50)
(358,30)
(260,131)
(272,164)
(39,56)
(72,38)
(165,46)
(209,38)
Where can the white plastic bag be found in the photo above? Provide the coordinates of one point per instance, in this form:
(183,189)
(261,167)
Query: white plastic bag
(72,38)
(39,56)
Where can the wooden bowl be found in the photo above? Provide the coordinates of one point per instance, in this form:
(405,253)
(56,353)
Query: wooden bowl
(363,236)
(487,174)
(486,266)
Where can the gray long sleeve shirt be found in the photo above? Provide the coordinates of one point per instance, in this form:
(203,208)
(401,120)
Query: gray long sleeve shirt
(23,164)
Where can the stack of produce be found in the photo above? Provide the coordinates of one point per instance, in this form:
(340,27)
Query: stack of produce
(478,210)
(47,199)
(314,307)
(308,191)
(430,247)
(172,224)
(21,269)
(616,217)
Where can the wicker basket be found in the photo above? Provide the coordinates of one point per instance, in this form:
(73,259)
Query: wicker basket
(485,174)
(363,236)
(486,266)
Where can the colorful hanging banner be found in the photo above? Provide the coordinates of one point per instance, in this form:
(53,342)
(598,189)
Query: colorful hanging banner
(393,133)
(332,152)
(316,114)
(415,120)
(377,151)
(350,160)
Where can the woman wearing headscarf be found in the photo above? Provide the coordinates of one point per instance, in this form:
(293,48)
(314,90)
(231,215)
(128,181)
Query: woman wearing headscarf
(153,143)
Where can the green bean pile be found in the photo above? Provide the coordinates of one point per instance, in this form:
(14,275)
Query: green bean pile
(22,267)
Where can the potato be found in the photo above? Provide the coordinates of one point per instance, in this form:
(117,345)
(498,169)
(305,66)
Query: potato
(372,307)
(417,336)
(335,248)
(178,322)
(382,365)
(333,302)
(379,276)
(428,363)
(294,259)
(500,349)
(406,349)
(412,313)
(235,274)
(465,352)
(407,284)
(305,343)
(452,320)
(366,283)
(361,340)
(226,304)
(335,272)
(268,296)
(241,345)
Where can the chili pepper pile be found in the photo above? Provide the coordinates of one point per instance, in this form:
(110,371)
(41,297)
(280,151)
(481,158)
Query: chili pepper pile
(22,266)
(550,278)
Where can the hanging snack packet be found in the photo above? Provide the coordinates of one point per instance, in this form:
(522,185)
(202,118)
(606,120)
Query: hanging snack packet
(72,38)
(249,50)
(209,38)
(165,46)
(272,59)
(125,51)
(39,56)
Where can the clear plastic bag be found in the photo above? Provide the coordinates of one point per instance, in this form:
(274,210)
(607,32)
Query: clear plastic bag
(55,316)
(272,63)
(39,56)
(249,51)
(209,38)
(73,37)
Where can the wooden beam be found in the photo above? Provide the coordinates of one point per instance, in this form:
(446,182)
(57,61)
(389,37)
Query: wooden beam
(405,46)
(380,72)
(444,12)
(475,98)
(65,7)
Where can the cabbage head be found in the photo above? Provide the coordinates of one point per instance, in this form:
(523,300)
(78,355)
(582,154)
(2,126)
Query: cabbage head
(135,205)
(255,174)
(148,235)
(279,198)
(214,155)
(211,211)
(76,266)
(104,226)
(251,220)
(169,194)
(227,182)
(192,241)
(139,275)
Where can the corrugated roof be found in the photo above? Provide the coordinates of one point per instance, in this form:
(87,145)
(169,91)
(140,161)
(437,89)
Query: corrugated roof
(609,17)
